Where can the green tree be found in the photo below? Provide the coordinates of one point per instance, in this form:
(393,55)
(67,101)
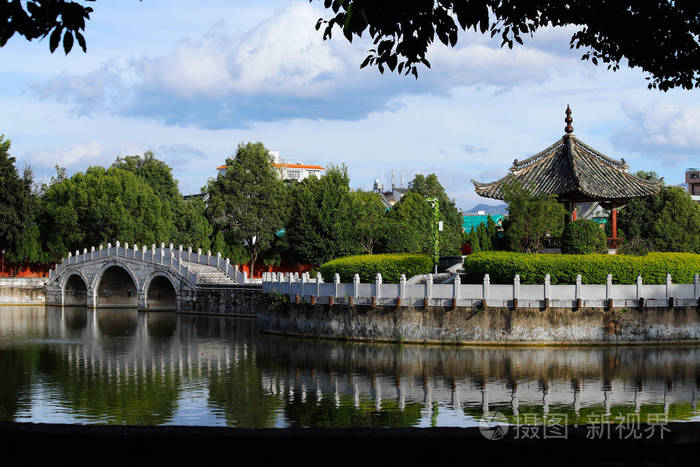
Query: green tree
(474,241)
(530,217)
(668,221)
(450,237)
(368,219)
(100,206)
(190,226)
(248,202)
(18,231)
(410,230)
(320,222)
(484,240)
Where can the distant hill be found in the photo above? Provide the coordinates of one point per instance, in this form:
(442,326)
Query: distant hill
(488,209)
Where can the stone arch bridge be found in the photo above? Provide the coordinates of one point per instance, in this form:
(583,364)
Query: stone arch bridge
(123,276)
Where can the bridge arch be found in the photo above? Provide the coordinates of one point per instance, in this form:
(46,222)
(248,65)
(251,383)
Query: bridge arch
(116,285)
(74,289)
(160,291)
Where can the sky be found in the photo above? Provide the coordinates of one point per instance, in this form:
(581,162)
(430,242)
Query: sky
(190,83)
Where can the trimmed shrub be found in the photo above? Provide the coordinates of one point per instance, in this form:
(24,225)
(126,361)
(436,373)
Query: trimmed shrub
(583,237)
(502,266)
(390,266)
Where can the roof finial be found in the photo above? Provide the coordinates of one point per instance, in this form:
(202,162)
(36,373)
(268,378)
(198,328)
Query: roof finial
(568,128)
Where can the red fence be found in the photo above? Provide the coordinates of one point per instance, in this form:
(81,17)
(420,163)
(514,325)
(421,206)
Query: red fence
(25,269)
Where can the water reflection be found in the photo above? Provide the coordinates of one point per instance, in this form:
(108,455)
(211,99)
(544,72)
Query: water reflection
(120,366)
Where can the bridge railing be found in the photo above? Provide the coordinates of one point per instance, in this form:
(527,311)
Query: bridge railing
(178,259)
(515,295)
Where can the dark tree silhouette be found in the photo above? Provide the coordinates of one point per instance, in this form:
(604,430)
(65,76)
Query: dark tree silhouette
(40,18)
(660,37)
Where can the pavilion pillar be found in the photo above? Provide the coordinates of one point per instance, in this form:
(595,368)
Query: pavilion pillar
(613,220)
(573,213)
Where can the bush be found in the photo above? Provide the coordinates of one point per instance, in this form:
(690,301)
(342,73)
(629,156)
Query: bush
(634,247)
(583,237)
(502,266)
(390,266)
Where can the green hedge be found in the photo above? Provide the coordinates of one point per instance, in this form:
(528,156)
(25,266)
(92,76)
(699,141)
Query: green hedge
(391,266)
(502,266)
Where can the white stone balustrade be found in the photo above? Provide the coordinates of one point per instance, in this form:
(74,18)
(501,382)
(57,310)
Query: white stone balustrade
(494,295)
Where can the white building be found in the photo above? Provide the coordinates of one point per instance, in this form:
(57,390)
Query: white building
(290,171)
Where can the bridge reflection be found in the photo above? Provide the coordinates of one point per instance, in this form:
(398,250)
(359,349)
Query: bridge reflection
(131,354)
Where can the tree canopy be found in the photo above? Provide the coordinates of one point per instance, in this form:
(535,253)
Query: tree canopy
(18,232)
(247,201)
(660,37)
(668,221)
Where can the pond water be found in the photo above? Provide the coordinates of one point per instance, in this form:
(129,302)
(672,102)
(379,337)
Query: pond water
(120,366)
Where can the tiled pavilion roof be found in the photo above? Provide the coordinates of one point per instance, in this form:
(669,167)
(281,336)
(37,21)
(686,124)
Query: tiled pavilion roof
(574,172)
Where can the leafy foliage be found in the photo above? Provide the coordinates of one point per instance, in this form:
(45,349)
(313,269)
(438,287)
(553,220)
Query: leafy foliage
(390,266)
(668,221)
(502,266)
(321,220)
(530,217)
(658,37)
(40,18)
(247,202)
(583,237)
(18,231)
(634,246)
(99,206)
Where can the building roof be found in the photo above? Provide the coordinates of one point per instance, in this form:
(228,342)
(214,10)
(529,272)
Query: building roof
(299,166)
(289,166)
(473,221)
(575,172)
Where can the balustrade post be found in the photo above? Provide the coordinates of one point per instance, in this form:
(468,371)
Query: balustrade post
(179,253)
(116,248)
(143,252)
(429,288)
(547,290)
(516,291)
(402,287)
(486,287)
(579,291)
(227,264)
(356,286)
(319,279)
(608,291)
(189,253)
(199,255)
(92,252)
(378,288)
(218,259)
(153,252)
(109,247)
(126,250)
(70,255)
(336,282)
(208,257)
(84,254)
(77,255)
(100,251)
(135,250)
(640,283)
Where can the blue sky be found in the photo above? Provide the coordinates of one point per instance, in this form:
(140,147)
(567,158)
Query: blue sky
(190,83)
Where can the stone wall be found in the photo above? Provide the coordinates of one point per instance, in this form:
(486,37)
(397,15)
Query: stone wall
(240,301)
(464,325)
(22,291)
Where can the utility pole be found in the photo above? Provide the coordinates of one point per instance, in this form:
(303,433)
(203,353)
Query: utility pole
(435,203)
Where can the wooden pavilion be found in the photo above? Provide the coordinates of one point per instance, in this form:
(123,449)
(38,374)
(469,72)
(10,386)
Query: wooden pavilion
(575,173)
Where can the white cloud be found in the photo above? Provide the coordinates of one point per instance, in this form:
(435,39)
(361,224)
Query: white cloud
(79,155)
(663,130)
